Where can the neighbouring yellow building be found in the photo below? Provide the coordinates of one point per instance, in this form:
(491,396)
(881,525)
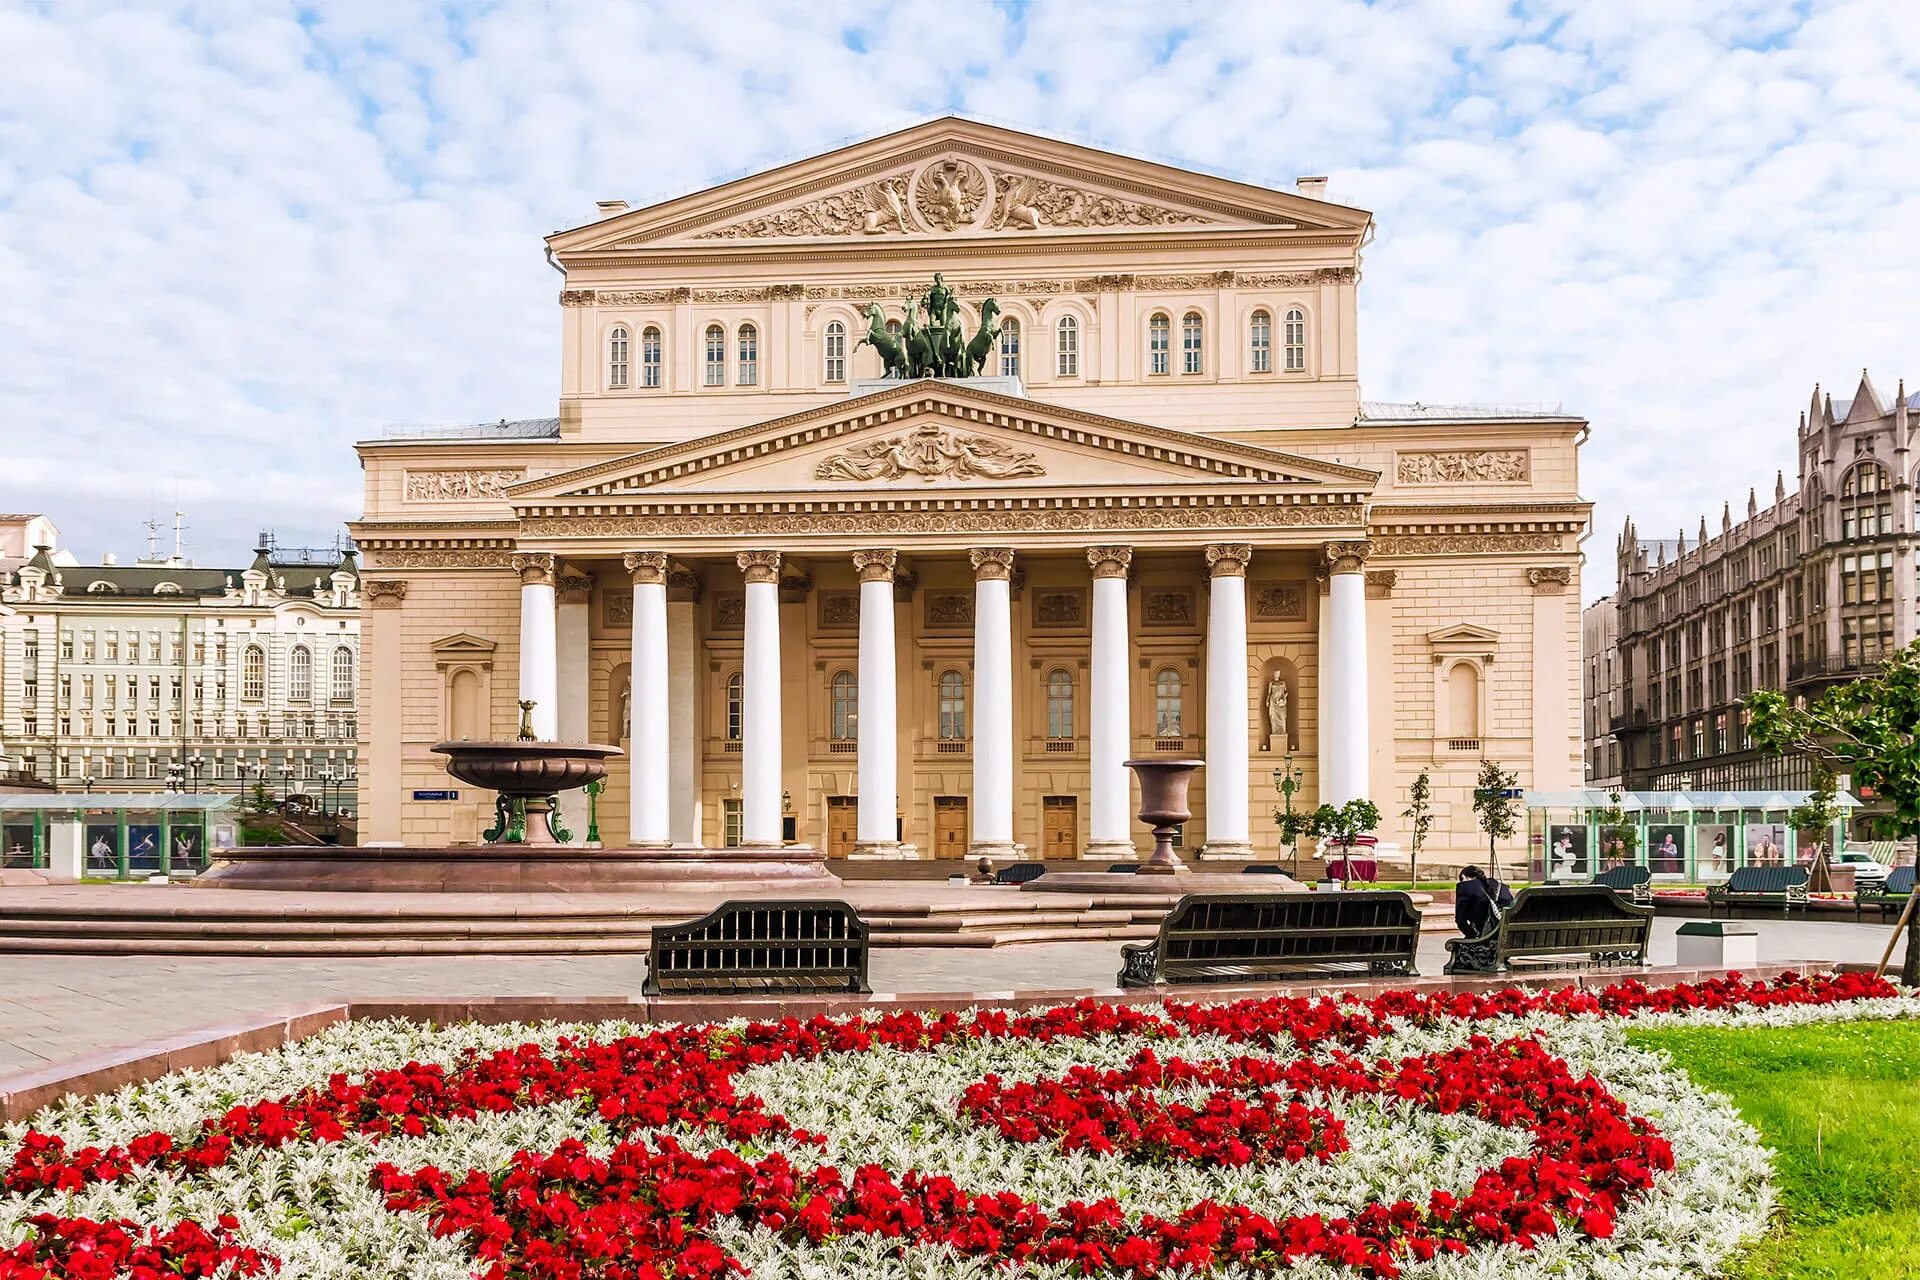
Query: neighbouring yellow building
(933,617)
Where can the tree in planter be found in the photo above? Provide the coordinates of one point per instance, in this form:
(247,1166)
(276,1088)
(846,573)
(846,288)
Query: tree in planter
(1341,824)
(1812,820)
(1496,802)
(1619,834)
(1870,729)
(1419,813)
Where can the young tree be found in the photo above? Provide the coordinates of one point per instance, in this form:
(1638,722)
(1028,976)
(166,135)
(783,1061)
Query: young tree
(1870,729)
(1496,803)
(1419,813)
(1617,829)
(1340,824)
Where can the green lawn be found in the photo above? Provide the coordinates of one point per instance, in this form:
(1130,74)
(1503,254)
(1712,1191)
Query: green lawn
(1840,1103)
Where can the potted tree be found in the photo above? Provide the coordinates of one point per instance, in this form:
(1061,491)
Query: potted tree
(1342,825)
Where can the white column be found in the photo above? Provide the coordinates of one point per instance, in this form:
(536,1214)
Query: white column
(1109,826)
(992,814)
(878,729)
(573,597)
(647,759)
(538,643)
(1343,672)
(760,702)
(1228,833)
(683,723)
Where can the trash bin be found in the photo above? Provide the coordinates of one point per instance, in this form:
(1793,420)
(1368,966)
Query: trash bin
(1717,944)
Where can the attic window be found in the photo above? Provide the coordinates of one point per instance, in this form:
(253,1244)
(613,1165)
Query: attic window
(102,588)
(166,589)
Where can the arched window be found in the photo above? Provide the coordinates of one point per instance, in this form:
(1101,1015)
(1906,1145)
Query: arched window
(1463,701)
(1159,345)
(343,674)
(953,707)
(300,674)
(835,353)
(734,683)
(894,329)
(749,356)
(1192,355)
(1060,704)
(1296,340)
(1168,708)
(253,673)
(844,697)
(1067,348)
(716,375)
(617,358)
(1009,348)
(650,356)
(1260,343)
(1866,502)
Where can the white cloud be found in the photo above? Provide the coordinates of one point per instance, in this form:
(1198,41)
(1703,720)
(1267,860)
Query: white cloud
(235,236)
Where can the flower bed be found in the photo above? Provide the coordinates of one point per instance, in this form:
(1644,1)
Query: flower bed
(1442,1133)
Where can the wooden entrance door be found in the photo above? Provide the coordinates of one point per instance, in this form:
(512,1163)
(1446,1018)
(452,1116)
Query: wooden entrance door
(842,815)
(949,826)
(1060,827)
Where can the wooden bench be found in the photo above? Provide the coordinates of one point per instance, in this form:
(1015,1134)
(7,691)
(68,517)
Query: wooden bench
(1889,897)
(1558,926)
(1632,883)
(1783,887)
(1257,937)
(750,947)
(1019,873)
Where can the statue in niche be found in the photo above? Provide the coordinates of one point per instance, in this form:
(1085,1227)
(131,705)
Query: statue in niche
(1278,739)
(625,722)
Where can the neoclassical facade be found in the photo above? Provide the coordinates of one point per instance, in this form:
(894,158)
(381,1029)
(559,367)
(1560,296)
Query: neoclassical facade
(933,618)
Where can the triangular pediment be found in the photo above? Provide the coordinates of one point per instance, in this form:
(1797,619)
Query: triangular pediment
(956,178)
(941,436)
(1462,633)
(462,644)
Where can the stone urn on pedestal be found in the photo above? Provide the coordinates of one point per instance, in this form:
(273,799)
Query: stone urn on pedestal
(1163,806)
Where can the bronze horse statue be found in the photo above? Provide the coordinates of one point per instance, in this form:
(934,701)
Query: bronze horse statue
(893,352)
(974,357)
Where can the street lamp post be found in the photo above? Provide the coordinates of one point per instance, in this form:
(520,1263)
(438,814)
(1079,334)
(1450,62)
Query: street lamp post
(1286,780)
(195,765)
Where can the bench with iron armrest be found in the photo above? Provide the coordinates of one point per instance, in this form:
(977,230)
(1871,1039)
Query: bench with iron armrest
(753,947)
(1257,937)
(1019,873)
(1782,887)
(1632,883)
(1890,896)
(1558,926)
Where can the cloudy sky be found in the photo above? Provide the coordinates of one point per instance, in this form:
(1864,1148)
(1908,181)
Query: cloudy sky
(234,237)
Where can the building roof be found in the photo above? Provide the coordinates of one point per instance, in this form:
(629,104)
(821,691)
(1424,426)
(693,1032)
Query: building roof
(1416,411)
(517,429)
(141,582)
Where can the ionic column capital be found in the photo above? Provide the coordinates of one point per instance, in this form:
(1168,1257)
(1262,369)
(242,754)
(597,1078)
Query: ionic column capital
(683,585)
(1550,580)
(648,568)
(990,563)
(536,568)
(1380,583)
(759,566)
(876,565)
(574,588)
(1348,557)
(1110,562)
(384,593)
(1228,559)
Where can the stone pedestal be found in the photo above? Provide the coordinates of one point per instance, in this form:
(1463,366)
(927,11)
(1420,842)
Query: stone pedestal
(1717,944)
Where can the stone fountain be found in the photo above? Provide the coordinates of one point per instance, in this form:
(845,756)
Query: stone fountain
(524,851)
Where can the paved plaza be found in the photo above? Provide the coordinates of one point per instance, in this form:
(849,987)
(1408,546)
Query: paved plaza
(56,1007)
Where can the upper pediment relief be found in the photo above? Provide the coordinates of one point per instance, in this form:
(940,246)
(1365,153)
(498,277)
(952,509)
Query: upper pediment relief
(958,178)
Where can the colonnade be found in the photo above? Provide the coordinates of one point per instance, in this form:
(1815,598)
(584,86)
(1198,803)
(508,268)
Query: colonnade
(1229,695)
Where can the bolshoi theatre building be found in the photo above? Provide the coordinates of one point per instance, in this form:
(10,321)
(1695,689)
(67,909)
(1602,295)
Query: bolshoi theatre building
(1140,509)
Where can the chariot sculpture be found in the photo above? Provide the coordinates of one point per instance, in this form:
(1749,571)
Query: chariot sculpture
(930,342)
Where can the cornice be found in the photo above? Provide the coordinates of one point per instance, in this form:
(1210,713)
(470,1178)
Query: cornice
(996,244)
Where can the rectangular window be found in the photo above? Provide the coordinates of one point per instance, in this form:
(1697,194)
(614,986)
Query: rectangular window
(716,375)
(30,651)
(1159,336)
(650,358)
(730,824)
(113,647)
(1010,349)
(66,648)
(1260,344)
(1067,348)
(1296,336)
(835,352)
(749,356)
(1191,356)
(617,360)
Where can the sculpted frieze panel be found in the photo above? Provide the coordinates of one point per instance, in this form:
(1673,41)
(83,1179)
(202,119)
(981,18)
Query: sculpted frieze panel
(949,609)
(1059,520)
(1280,602)
(1166,607)
(442,558)
(839,609)
(871,209)
(461,485)
(616,610)
(1059,608)
(1413,544)
(729,611)
(1463,466)
(1027,202)
(930,452)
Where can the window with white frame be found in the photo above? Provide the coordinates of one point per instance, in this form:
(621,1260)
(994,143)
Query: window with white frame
(1260,343)
(1066,347)
(734,705)
(343,674)
(1168,704)
(716,373)
(1296,340)
(749,356)
(617,357)
(834,353)
(300,674)
(253,673)
(650,344)
(730,823)
(953,706)
(1010,348)
(844,704)
(1159,345)
(1192,354)
(1060,704)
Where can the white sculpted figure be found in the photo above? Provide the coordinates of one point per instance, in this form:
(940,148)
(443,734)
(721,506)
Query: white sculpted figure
(1277,712)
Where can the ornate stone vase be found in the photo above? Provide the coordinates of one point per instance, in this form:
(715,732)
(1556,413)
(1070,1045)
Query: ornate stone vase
(528,776)
(1163,806)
